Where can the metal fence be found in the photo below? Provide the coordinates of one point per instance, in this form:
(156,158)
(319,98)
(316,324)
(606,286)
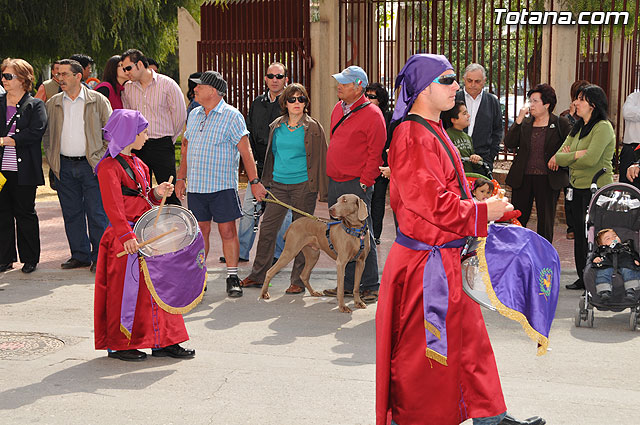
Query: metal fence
(242,38)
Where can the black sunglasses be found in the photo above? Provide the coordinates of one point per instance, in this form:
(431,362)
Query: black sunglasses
(300,99)
(278,76)
(8,76)
(128,68)
(371,96)
(446,80)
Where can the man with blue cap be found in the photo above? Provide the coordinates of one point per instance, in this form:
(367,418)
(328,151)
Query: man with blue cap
(434,361)
(357,137)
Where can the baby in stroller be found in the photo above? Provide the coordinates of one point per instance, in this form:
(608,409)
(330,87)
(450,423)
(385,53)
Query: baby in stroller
(613,256)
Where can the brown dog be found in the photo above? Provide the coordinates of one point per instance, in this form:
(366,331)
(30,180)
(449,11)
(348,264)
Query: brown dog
(309,236)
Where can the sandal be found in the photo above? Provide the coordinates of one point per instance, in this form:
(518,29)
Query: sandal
(334,292)
(294,289)
(369,296)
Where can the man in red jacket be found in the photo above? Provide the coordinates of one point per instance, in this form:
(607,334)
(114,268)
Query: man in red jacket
(358,134)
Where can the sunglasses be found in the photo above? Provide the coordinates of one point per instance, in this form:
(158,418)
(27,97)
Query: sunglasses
(129,68)
(300,99)
(7,76)
(446,80)
(278,76)
(371,96)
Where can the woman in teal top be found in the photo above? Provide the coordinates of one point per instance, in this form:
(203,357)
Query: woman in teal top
(295,172)
(588,148)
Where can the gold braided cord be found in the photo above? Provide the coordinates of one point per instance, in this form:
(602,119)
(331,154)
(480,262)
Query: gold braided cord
(543,341)
(436,356)
(431,328)
(162,304)
(125,331)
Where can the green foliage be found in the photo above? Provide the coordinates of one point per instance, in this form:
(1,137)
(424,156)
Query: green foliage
(43,30)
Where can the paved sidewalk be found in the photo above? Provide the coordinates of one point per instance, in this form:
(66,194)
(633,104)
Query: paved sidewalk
(292,360)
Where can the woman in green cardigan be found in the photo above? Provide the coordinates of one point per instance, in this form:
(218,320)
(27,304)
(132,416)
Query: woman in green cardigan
(588,148)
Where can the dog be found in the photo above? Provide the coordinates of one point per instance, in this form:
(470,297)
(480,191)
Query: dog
(310,236)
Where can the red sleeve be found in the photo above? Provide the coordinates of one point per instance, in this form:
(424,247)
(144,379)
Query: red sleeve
(424,176)
(112,198)
(377,136)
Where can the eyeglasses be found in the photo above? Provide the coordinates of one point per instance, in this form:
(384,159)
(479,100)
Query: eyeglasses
(202,123)
(129,68)
(278,76)
(300,99)
(64,74)
(371,96)
(445,80)
(7,76)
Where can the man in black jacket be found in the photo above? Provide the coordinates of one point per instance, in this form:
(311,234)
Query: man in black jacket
(264,109)
(486,126)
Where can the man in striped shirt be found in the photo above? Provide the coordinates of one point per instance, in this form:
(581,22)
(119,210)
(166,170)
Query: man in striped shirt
(215,139)
(161,102)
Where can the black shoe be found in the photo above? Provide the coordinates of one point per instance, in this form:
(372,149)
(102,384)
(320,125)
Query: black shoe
(243,260)
(275,260)
(630,295)
(578,284)
(174,351)
(128,355)
(29,267)
(93,267)
(222,260)
(234,289)
(605,296)
(5,267)
(377,241)
(510,420)
(72,263)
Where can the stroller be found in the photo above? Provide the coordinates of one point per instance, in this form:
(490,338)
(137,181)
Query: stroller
(615,206)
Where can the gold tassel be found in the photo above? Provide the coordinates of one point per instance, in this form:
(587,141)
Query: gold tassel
(543,341)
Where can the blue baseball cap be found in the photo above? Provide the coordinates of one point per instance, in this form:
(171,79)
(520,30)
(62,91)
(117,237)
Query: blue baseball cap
(352,74)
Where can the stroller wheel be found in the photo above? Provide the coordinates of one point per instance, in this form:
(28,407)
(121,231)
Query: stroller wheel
(578,317)
(633,319)
(590,317)
(581,313)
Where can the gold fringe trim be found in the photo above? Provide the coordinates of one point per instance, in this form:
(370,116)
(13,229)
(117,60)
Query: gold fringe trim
(543,341)
(428,326)
(162,304)
(436,356)
(125,331)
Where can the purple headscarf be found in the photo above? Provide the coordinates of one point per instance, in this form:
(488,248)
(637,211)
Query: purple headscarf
(121,130)
(415,76)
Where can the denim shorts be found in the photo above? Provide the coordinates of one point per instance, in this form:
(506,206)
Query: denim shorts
(222,206)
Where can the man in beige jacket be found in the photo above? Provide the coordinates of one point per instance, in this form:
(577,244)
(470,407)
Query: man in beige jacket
(73,145)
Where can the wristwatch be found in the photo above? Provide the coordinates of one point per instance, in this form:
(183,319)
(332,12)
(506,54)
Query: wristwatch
(363,186)
(255,181)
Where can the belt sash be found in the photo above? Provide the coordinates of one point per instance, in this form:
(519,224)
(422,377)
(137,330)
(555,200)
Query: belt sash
(435,295)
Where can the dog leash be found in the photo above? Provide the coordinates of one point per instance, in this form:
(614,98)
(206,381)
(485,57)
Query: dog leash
(279,202)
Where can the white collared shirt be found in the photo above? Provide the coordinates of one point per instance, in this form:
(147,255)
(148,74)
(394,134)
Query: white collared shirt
(73,141)
(472,107)
(631,115)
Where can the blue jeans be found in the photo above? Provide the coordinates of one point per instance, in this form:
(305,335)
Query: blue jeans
(491,420)
(370,275)
(604,277)
(79,195)
(247,236)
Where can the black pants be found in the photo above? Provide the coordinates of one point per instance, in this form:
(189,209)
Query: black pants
(537,187)
(579,205)
(628,157)
(378,204)
(17,211)
(160,157)
(568,211)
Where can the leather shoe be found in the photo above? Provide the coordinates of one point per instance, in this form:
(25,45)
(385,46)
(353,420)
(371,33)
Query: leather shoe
(534,420)
(174,351)
(128,355)
(250,283)
(93,267)
(5,267)
(578,284)
(240,260)
(29,267)
(72,263)
(234,289)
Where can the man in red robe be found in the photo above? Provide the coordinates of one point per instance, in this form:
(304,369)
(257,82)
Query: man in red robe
(434,361)
(152,326)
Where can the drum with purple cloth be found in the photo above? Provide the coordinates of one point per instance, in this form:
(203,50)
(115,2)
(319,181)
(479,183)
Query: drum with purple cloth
(172,216)
(472,282)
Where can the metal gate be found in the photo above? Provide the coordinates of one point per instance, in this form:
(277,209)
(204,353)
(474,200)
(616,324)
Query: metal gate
(242,38)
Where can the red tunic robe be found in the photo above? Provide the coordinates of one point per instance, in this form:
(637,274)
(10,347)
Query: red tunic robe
(152,326)
(410,387)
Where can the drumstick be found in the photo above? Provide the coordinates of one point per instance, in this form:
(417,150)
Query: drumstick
(148,241)
(164,198)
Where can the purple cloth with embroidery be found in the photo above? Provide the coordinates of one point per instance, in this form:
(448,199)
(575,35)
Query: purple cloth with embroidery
(435,291)
(525,273)
(121,130)
(415,76)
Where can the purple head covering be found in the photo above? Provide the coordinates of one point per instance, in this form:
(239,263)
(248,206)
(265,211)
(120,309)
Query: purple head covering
(415,76)
(121,130)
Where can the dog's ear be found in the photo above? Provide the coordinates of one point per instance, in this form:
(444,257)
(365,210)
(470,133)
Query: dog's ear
(362,210)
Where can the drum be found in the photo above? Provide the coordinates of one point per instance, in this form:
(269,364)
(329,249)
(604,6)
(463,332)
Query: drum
(172,216)
(472,282)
